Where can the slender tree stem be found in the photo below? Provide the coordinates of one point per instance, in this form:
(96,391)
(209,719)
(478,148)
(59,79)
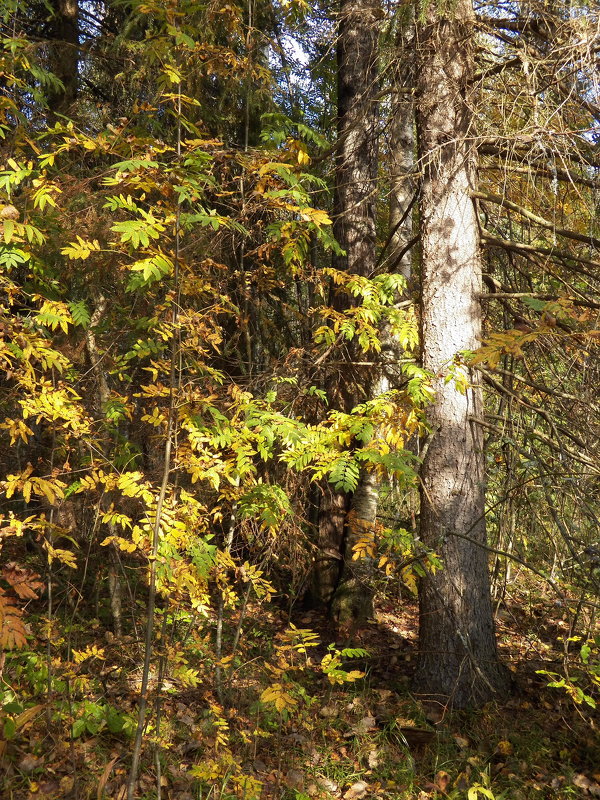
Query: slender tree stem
(173,385)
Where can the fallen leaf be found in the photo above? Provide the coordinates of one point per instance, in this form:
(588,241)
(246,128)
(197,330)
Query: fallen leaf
(461,741)
(104,777)
(442,779)
(30,762)
(66,785)
(364,726)
(328,785)
(582,782)
(44,789)
(356,791)
(462,783)
(328,711)
(294,779)
(26,717)
(504,748)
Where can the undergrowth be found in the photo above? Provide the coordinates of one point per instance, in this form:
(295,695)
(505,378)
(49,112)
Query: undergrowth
(294,715)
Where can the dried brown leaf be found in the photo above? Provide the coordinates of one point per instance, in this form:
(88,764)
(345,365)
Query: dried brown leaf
(356,791)
(24,582)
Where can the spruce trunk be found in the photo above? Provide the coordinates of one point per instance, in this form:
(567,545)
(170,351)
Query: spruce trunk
(458,660)
(355,230)
(64,55)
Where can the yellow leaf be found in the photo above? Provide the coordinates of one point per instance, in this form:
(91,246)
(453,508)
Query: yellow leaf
(79,656)
(122,544)
(505,748)
(278,696)
(17,429)
(64,556)
(27,487)
(25,717)
(354,675)
(409,579)
(316,215)
(8,229)
(50,490)
(80,249)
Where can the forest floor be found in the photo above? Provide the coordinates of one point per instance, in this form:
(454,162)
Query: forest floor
(369,738)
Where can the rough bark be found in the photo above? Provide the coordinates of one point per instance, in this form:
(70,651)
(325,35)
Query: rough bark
(458,660)
(353,600)
(402,157)
(64,57)
(401,192)
(328,564)
(355,230)
(356,161)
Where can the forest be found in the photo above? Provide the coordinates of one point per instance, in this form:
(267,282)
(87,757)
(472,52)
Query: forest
(299,412)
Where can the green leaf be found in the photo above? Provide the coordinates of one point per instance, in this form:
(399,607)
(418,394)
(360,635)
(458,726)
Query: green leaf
(149,270)
(9,729)
(345,474)
(12,256)
(534,303)
(114,720)
(80,313)
(135,164)
(585,653)
(354,652)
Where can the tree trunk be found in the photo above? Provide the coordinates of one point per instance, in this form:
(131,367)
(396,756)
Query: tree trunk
(353,600)
(64,59)
(402,156)
(115,589)
(458,660)
(355,230)
(327,568)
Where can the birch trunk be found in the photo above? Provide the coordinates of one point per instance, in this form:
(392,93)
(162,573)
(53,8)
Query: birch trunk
(458,660)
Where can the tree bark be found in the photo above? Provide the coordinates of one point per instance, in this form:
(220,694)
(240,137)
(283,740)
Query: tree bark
(353,600)
(355,230)
(458,660)
(402,156)
(64,57)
